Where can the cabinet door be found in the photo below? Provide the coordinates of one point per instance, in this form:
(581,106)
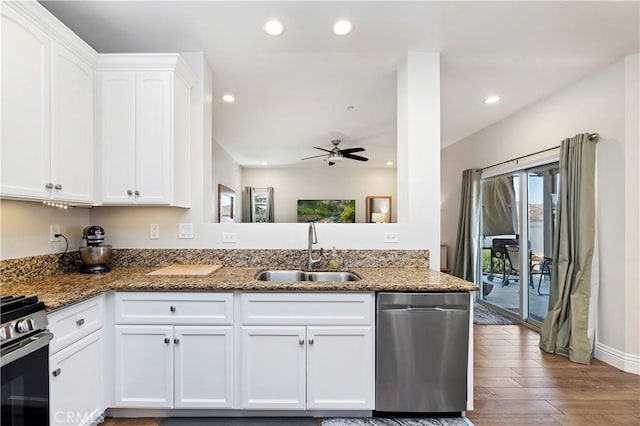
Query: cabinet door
(76,382)
(203,367)
(340,371)
(25,94)
(72,135)
(117,136)
(144,366)
(154,171)
(273,367)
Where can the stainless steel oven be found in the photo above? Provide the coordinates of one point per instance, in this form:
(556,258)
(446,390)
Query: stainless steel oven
(24,360)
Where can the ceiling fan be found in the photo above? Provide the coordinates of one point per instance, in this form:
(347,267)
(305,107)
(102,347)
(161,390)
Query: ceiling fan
(336,154)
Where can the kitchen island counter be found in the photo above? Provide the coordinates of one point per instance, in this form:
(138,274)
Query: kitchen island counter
(58,291)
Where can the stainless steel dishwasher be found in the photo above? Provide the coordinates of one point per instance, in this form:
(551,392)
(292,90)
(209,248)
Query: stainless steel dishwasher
(422,343)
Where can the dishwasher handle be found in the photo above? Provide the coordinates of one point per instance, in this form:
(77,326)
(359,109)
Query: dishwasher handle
(410,308)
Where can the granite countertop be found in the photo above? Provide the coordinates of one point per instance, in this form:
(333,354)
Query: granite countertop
(58,291)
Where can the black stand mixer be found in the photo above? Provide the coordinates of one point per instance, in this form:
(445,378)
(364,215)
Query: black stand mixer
(95,256)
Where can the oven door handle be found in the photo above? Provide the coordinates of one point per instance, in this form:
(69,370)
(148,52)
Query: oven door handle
(25,347)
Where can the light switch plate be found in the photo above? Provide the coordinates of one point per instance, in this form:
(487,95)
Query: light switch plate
(154,231)
(229,237)
(390,237)
(185,230)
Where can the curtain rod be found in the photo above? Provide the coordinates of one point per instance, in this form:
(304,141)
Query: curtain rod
(592,137)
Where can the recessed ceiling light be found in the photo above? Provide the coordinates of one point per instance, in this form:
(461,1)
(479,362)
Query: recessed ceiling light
(264,163)
(492,100)
(274,27)
(350,107)
(228,98)
(342,27)
(389,163)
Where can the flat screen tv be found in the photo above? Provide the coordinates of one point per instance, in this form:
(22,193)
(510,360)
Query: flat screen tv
(327,211)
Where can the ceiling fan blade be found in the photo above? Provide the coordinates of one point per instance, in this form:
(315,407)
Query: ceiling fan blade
(355,157)
(314,156)
(351,150)
(322,149)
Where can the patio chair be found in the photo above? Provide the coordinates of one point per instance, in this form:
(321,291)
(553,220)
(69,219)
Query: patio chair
(544,267)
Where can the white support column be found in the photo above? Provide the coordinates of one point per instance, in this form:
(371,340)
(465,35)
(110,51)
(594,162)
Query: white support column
(419,148)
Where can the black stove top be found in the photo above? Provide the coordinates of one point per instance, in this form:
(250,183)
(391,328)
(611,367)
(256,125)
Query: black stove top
(13,307)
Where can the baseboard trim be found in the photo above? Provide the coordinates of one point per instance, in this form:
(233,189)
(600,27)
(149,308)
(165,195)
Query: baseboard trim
(624,361)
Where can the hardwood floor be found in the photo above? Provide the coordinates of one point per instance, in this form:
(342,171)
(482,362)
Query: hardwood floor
(517,384)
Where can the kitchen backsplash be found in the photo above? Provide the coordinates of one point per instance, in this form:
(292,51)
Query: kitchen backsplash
(26,268)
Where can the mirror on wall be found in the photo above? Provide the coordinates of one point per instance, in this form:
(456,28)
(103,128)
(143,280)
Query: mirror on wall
(378,209)
(226,204)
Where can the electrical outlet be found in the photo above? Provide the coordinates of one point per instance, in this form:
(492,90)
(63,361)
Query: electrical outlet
(229,237)
(54,229)
(390,237)
(185,230)
(154,231)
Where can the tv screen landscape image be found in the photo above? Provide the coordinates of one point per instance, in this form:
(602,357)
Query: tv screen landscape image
(327,211)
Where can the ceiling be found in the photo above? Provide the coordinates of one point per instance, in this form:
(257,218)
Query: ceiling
(292,91)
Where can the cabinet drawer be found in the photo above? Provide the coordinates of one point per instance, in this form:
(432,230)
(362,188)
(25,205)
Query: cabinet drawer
(307,308)
(174,308)
(71,324)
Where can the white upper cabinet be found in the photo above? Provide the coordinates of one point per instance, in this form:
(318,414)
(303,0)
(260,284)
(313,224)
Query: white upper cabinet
(143,129)
(47,108)
(72,133)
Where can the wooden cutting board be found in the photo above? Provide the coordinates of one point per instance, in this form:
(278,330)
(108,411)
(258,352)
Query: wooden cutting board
(186,270)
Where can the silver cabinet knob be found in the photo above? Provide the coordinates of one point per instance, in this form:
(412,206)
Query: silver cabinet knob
(56,372)
(80,322)
(176,341)
(129,192)
(136,192)
(58,187)
(311,341)
(49,186)
(301,341)
(167,340)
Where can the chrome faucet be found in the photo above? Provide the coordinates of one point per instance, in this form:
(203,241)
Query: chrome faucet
(313,239)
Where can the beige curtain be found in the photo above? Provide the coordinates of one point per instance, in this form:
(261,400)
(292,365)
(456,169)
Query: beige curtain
(247,204)
(565,328)
(270,205)
(468,240)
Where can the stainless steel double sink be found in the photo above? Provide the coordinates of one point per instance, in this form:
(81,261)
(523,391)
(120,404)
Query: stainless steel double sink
(297,275)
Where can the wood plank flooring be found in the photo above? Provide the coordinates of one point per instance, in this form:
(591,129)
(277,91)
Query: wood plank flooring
(515,383)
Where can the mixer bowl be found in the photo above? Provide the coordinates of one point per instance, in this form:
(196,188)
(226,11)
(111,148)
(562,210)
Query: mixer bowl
(99,255)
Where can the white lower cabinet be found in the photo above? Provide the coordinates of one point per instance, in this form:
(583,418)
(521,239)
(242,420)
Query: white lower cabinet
(76,384)
(274,367)
(302,366)
(76,364)
(164,366)
(339,368)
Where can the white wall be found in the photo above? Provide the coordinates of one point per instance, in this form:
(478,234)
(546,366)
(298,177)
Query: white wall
(24,228)
(593,104)
(322,183)
(632,212)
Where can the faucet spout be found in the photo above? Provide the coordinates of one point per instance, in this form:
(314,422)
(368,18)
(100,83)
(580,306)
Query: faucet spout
(313,239)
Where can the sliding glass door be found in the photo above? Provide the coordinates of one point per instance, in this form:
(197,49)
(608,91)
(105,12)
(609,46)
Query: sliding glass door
(517,207)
